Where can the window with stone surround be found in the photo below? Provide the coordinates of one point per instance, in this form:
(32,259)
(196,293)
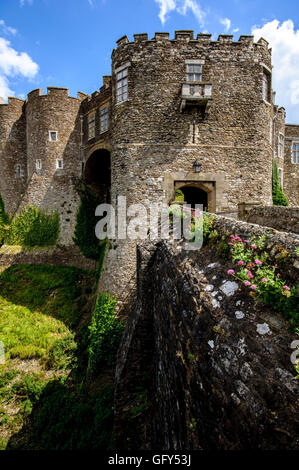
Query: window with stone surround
(122,85)
(53,136)
(280,177)
(194,72)
(38,164)
(295,152)
(266,86)
(59,163)
(280,144)
(104,115)
(19,171)
(91,125)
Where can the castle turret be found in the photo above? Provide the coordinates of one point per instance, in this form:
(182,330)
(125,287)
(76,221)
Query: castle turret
(185,100)
(54,154)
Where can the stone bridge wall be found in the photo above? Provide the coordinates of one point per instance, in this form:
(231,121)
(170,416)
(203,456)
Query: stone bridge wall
(285,219)
(209,367)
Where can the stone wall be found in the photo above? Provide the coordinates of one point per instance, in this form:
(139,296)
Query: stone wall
(66,256)
(13,153)
(285,219)
(210,367)
(291,170)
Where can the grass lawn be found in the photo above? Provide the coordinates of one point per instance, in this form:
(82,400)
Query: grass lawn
(44,317)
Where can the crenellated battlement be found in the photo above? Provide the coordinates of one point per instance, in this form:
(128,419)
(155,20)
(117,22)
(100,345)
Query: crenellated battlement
(55,92)
(13,103)
(187,36)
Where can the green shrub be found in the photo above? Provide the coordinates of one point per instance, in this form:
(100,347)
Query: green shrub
(33,227)
(278,196)
(4,221)
(84,236)
(104,333)
(179,196)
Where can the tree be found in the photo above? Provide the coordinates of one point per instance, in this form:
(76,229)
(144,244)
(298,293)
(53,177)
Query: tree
(278,196)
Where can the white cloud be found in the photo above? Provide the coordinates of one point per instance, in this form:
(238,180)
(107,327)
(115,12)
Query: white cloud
(181,7)
(284,40)
(12,64)
(226,23)
(166,6)
(7,29)
(22,2)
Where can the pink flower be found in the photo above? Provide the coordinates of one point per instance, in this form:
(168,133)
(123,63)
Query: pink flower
(265,279)
(286,287)
(254,247)
(258,262)
(278,275)
(230,271)
(230,244)
(240,263)
(245,241)
(239,239)
(247,283)
(253,287)
(250,275)
(232,236)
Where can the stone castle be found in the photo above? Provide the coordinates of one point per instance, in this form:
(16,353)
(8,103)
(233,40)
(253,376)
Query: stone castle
(183,113)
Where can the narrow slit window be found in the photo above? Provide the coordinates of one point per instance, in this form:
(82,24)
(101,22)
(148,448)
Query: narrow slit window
(295,152)
(280,145)
(266,87)
(280,177)
(59,163)
(38,164)
(91,126)
(122,86)
(104,118)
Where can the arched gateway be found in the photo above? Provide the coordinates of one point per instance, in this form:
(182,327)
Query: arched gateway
(97,173)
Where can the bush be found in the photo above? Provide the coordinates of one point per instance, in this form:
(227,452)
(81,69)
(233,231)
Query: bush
(179,196)
(4,221)
(33,227)
(278,195)
(84,236)
(104,333)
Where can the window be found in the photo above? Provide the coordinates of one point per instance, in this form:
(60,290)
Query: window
(59,163)
(122,85)
(295,152)
(280,145)
(104,118)
(280,177)
(194,73)
(19,171)
(53,136)
(91,126)
(266,86)
(38,164)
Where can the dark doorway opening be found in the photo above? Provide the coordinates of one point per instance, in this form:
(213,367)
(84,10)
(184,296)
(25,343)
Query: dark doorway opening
(194,195)
(97,174)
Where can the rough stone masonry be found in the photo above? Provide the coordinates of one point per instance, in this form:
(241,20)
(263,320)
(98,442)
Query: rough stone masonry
(167,104)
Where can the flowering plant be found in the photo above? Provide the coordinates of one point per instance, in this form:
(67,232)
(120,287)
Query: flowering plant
(258,273)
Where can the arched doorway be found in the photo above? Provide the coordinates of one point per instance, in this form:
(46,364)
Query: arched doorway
(195,193)
(97,173)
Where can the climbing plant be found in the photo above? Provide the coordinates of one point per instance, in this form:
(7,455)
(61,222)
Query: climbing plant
(84,236)
(278,196)
(4,220)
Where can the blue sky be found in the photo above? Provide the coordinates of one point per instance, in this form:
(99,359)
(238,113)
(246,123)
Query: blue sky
(69,42)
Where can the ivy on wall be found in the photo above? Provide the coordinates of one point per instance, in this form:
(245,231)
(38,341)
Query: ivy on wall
(278,196)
